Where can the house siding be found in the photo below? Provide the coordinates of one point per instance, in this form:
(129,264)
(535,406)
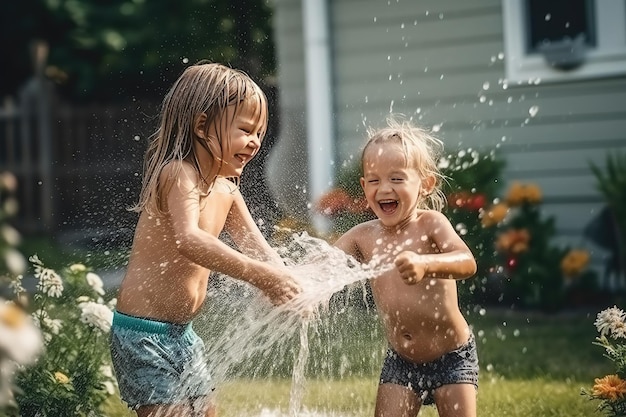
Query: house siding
(442,63)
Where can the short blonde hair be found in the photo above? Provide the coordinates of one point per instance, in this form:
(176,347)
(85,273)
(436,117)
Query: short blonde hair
(208,88)
(421,150)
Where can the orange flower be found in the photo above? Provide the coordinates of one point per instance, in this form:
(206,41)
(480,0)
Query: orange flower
(494,214)
(574,262)
(334,202)
(513,241)
(523,193)
(611,388)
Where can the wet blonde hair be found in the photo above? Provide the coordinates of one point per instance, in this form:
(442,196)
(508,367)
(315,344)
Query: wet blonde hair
(421,151)
(208,88)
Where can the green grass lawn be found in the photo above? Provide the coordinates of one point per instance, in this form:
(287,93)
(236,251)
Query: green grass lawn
(531,365)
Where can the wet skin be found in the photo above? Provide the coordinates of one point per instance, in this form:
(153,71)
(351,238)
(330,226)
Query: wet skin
(173,255)
(417,298)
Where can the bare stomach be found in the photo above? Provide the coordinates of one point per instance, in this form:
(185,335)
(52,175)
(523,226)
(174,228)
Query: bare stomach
(163,298)
(426,339)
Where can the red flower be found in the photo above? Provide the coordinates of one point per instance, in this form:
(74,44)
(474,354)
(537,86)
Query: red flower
(466,200)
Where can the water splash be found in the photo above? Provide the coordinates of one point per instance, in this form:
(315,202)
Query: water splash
(249,338)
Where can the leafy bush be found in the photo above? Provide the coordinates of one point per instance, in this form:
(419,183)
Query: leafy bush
(74,371)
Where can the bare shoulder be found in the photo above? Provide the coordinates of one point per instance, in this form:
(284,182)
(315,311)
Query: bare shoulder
(433,216)
(177,169)
(354,239)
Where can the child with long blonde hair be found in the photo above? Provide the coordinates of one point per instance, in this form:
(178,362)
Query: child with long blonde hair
(212,123)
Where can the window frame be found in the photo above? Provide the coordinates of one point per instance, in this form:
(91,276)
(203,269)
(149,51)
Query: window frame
(608,58)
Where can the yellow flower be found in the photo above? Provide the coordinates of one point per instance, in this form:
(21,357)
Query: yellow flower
(78,268)
(494,214)
(61,378)
(12,316)
(611,388)
(523,193)
(574,262)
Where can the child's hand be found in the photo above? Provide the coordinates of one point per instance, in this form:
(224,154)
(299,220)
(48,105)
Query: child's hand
(410,267)
(279,286)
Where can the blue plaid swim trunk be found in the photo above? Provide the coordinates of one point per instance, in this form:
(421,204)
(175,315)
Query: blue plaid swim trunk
(157,362)
(459,366)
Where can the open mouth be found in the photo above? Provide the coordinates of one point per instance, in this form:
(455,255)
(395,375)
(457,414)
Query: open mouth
(388,206)
(242,158)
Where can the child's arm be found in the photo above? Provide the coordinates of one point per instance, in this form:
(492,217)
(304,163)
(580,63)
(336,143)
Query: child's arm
(205,249)
(246,234)
(455,260)
(349,244)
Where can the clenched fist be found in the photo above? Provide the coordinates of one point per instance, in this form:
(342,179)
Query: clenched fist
(411,267)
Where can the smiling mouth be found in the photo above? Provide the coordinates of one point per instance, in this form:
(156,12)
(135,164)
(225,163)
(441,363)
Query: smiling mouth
(388,206)
(242,158)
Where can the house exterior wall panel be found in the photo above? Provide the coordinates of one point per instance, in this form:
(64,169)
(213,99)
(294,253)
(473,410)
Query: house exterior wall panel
(442,63)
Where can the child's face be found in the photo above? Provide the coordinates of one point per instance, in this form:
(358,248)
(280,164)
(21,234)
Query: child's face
(243,135)
(392,189)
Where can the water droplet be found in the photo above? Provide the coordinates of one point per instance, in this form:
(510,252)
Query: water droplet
(533,111)
(486,85)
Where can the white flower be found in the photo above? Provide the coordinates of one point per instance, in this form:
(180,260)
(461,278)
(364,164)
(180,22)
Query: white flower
(50,283)
(95,282)
(16,285)
(15,262)
(96,315)
(54,325)
(20,339)
(83,299)
(611,321)
(11,206)
(109,384)
(10,235)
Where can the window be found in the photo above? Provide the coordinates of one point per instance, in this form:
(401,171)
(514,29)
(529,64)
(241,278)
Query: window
(561,40)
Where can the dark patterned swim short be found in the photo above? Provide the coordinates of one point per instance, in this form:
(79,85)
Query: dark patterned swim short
(459,366)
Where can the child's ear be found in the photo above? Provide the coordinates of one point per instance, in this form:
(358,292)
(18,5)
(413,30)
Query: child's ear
(362,181)
(199,126)
(428,184)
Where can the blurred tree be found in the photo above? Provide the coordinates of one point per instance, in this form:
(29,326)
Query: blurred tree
(117,50)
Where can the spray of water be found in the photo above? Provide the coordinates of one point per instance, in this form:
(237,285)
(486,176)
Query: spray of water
(247,337)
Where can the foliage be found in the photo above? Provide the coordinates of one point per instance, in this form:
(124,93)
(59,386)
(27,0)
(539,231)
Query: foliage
(612,184)
(472,187)
(610,390)
(74,372)
(537,273)
(119,49)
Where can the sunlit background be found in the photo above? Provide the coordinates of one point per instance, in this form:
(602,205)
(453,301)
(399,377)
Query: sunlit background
(527,95)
